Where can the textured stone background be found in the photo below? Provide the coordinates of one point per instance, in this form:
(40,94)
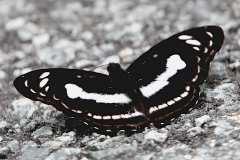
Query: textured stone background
(75,34)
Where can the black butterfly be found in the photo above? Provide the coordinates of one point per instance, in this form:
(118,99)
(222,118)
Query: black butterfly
(158,86)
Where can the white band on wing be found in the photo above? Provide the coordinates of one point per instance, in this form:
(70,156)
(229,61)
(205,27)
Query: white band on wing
(174,63)
(74,91)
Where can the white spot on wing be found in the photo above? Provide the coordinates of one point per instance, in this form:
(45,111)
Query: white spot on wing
(136,113)
(26,83)
(74,91)
(210,43)
(125,116)
(90,114)
(174,63)
(97,117)
(205,50)
(76,111)
(177,99)
(187,88)
(43,82)
(210,34)
(42,94)
(153,109)
(171,102)
(106,117)
(196,48)
(33,91)
(184,37)
(54,97)
(46,88)
(45,74)
(184,94)
(193,42)
(195,78)
(164,105)
(116,117)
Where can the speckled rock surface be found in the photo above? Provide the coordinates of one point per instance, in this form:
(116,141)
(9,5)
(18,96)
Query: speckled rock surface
(38,34)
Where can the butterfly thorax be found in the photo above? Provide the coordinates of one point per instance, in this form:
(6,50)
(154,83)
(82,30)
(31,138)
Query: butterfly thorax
(124,82)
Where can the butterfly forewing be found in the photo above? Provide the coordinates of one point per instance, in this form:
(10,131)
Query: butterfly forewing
(171,70)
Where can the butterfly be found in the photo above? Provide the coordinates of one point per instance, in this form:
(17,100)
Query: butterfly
(158,86)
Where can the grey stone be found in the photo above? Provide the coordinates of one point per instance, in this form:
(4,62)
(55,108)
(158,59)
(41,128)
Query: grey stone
(126,52)
(201,120)
(3,75)
(218,71)
(223,128)
(32,151)
(107,48)
(111,59)
(23,108)
(4,150)
(144,156)
(15,24)
(41,40)
(234,56)
(179,151)
(14,146)
(87,35)
(42,132)
(24,35)
(110,153)
(65,139)
(158,136)
(55,57)
(235,66)
(195,131)
(65,154)
(4,125)
(84,63)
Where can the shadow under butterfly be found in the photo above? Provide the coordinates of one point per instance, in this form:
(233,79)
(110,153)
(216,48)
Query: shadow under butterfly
(158,86)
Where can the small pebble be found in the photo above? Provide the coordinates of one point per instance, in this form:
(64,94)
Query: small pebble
(42,132)
(23,108)
(4,125)
(24,35)
(3,75)
(41,40)
(202,120)
(126,52)
(14,146)
(158,136)
(15,24)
